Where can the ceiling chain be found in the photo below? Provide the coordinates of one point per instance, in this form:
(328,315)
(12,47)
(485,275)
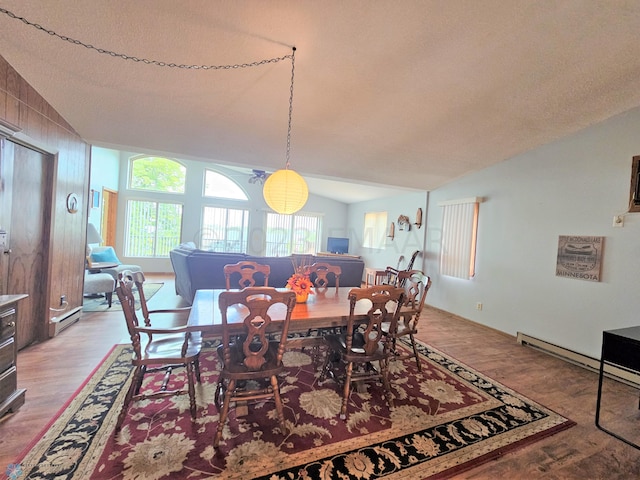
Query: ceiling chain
(146,60)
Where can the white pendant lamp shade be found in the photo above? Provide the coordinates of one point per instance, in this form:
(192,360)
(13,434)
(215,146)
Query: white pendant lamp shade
(285,191)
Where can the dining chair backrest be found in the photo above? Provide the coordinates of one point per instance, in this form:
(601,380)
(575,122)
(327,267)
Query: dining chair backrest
(415,285)
(365,336)
(247,271)
(124,291)
(321,270)
(256,307)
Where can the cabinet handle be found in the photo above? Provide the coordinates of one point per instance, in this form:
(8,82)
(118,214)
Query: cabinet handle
(11,324)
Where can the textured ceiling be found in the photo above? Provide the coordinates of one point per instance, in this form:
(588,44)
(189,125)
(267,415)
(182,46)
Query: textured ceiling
(403,93)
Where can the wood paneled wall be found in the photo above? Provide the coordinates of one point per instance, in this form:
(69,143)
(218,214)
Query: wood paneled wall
(22,106)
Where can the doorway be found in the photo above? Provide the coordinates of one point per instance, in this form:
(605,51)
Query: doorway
(109,216)
(26,207)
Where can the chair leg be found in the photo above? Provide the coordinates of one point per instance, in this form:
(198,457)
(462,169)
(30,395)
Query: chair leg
(129,396)
(192,390)
(345,394)
(109,296)
(196,364)
(139,378)
(225,411)
(278,400)
(415,352)
(384,372)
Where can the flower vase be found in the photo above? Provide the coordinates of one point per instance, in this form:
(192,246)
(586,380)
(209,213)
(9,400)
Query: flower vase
(302,297)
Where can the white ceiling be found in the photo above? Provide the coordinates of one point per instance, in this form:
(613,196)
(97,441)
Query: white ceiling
(397,93)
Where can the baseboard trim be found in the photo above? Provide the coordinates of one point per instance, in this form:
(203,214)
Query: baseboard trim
(58,324)
(579,359)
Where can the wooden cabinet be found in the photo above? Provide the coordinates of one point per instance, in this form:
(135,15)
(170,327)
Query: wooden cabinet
(11,397)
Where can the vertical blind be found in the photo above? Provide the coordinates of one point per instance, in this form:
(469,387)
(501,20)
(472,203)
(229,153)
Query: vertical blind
(459,231)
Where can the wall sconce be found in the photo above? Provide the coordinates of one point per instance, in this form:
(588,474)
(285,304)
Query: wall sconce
(418,222)
(392,231)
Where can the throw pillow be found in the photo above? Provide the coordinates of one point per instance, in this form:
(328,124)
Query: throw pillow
(108,255)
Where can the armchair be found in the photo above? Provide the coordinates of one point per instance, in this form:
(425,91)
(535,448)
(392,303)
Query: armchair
(108,255)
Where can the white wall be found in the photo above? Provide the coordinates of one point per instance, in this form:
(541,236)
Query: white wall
(573,186)
(105,171)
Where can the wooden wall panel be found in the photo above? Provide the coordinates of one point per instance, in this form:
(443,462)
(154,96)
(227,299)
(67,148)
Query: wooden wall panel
(21,105)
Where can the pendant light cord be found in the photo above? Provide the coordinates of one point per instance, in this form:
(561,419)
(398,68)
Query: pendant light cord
(293,69)
(123,56)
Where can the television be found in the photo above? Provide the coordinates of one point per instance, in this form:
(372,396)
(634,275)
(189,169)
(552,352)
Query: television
(337,245)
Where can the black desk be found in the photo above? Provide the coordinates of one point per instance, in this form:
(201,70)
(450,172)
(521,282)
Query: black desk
(621,348)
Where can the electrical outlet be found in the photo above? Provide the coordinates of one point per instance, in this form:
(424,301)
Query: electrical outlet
(478,306)
(618,221)
(63,300)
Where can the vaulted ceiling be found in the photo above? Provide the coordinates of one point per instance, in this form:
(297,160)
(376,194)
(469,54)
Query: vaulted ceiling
(398,93)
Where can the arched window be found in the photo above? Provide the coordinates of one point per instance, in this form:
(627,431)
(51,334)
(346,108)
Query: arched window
(157,174)
(219,186)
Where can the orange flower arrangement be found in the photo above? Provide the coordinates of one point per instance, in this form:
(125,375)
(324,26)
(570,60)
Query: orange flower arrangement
(300,282)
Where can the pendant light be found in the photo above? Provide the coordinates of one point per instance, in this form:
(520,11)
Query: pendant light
(285,191)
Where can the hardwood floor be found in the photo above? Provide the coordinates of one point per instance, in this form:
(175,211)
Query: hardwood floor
(52,371)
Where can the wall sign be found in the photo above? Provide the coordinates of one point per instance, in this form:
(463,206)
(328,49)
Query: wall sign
(579,257)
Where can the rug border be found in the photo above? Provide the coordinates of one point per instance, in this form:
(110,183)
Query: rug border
(499,452)
(61,410)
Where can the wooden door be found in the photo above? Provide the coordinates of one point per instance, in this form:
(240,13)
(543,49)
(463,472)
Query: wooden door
(109,216)
(28,240)
(6,176)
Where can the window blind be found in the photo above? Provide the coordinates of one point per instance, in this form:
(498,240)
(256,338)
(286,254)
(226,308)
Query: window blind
(459,232)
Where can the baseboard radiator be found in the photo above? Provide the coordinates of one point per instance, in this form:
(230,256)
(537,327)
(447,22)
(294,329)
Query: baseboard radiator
(579,359)
(58,324)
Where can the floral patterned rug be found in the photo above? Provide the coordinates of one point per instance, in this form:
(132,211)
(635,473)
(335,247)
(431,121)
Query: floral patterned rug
(446,418)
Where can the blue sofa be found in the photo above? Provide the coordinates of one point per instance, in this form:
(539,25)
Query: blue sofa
(197,269)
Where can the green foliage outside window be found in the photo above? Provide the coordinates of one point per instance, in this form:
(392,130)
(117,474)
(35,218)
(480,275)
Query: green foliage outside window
(157,174)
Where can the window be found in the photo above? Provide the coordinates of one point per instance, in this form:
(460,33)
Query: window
(219,186)
(287,234)
(152,228)
(157,174)
(375,229)
(224,229)
(459,232)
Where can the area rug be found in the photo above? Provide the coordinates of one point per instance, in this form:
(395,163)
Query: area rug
(445,419)
(100,304)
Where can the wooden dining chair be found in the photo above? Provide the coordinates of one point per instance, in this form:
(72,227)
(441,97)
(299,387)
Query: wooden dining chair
(363,341)
(318,273)
(252,356)
(391,273)
(156,348)
(247,271)
(416,285)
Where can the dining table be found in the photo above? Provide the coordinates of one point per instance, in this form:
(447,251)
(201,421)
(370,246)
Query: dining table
(328,308)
